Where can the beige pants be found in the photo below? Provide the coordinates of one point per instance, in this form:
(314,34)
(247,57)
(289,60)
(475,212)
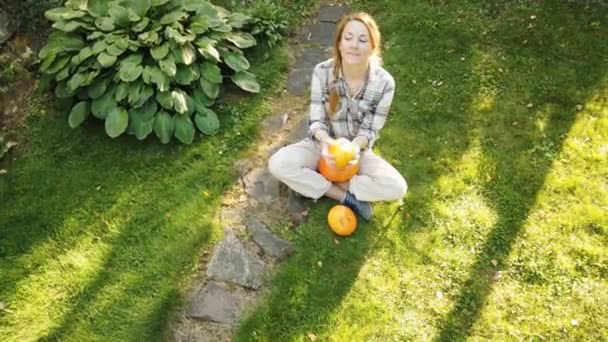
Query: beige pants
(296,165)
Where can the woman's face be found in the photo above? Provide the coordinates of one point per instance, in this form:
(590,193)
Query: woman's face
(355,45)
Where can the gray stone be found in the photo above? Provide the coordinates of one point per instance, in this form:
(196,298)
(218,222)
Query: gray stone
(7,27)
(232,263)
(322,33)
(298,81)
(228,215)
(297,206)
(273,124)
(216,304)
(310,57)
(270,243)
(261,185)
(332,13)
(299,131)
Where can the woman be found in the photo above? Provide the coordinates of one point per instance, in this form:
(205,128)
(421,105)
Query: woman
(351,96)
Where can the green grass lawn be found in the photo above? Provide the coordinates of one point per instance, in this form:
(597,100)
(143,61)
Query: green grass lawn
(99,238)
(500,126)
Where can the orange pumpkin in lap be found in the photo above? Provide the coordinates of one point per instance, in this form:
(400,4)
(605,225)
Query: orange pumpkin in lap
(343,152)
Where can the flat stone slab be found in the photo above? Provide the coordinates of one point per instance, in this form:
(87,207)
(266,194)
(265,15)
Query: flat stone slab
(310,57)
(297,206)
(232,263)
(299,131)
(261,185)
(216,304)
(332,13)
(321,33)
(275,123)
(298,81)
(270,243)
(7,26)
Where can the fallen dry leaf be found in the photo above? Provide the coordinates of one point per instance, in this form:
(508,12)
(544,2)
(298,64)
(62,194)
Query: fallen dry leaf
(497,276)
(494,262)
(3,172)
(312,336)
(336,241)
(320,263)
(530,105)
(439,294)
(574,322)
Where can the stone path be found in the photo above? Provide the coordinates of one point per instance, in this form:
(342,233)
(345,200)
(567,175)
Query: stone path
(240,265)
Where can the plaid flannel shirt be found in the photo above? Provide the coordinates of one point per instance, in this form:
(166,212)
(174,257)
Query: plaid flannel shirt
(362,115)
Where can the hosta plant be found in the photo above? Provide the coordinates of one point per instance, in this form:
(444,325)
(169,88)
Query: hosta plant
(146,66)
(268,22)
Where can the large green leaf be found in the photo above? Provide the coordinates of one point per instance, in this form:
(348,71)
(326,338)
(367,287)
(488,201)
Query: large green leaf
(141,25)
(143,96)
(186,74)
(147,111)
(238,20)
(98,88)
(106,60)
(139,7)
(178,37)
(68,26)
(223,28)
(63,13)
(99,46)
(119,14)
(62,91)
(59,41)
(199,26)
(105,24)
(122,91)
(159,78)
(159,52)
(57,65)
(135,92)
(173,17)
(140,128)
(180,101)
(76,4)
(97,8)
(210,52)
(184,54)
(165,99)
(78,114)
(168,66)
(184,129)
(76,81)
(207,121)
(210,89)
(164,127)
(63,73)
(159,2)
(242,40)
(101,106)
(129,72)
(211,72)
(236,61)
(246,81)
(200,99)
(117,122)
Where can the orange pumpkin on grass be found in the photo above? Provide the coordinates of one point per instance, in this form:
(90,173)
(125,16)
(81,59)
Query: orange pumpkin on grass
(342,220)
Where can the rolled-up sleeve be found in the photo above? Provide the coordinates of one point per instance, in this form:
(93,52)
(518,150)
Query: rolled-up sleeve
(375,118)
(318,116)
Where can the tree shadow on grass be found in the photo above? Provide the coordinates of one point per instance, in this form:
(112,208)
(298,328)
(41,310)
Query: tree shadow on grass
(521,152)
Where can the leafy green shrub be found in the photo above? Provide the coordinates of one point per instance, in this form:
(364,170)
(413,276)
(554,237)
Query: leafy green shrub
(268,22)
(146,65)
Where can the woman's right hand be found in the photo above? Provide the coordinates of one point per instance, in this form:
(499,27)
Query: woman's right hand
(329,158)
